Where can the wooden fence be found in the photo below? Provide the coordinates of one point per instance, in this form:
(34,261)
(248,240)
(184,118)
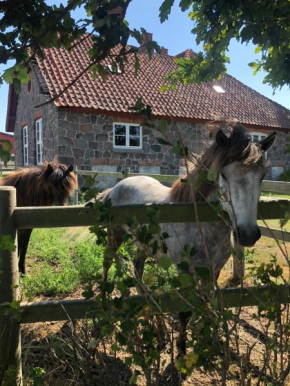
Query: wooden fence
(13,218)
(10,167)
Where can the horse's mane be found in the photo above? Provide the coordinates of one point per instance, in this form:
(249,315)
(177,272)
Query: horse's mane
(34,185)
(239,147)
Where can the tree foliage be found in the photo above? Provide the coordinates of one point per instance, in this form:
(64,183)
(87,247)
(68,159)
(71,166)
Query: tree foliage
(28,25)
(265,23)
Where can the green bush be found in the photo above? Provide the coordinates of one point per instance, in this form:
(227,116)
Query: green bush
(285,176)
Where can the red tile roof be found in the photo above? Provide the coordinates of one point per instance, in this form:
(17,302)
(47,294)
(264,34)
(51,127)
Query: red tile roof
(188,102)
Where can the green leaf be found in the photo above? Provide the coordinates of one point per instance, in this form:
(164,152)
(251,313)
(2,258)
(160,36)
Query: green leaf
(134,378)
(154,228)
(285,219)
(114,347)
(15,304)
(202,272)
(127,326)
(212,175)
(5,151)
(165,9)
(163,88)
(154,354)
(6,243)
(228,314)
(191,359)
(185,280)
(108,330)
(163,141)
(18,71)
(258,49)
(165,262)
(92,344)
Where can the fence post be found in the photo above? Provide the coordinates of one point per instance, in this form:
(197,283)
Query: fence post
(10,339)
(126,172)
(238,262)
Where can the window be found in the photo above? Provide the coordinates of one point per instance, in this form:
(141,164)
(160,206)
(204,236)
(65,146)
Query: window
(38,126)
(256,137)
(218,89)
(127,136)
(25,144)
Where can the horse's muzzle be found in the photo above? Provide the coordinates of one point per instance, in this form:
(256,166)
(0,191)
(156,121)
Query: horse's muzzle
(247,236)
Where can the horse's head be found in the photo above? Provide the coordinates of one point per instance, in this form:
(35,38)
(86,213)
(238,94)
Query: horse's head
(242,168)
(58,182)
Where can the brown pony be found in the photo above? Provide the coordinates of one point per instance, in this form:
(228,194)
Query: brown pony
(53,183)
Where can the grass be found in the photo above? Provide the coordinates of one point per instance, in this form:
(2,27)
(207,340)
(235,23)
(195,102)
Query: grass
(59,262)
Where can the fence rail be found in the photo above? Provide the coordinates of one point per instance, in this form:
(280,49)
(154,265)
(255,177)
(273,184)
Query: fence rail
(13,218)
(49,217)
(267,185)
(57,310)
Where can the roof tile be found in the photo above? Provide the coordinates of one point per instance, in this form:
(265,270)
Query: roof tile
(197,102)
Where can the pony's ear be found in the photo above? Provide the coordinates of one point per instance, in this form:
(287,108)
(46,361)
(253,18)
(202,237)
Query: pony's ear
(68,170)
(267,142)
(221,139)
(49,170)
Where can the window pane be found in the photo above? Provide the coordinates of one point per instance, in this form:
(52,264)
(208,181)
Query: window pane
(255,138)
(134,141)
(120,130)
(120,140)
(135,130)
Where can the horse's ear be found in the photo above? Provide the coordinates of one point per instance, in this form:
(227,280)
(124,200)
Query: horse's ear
(49,170)
(267,142)
(221,139)
(68,170)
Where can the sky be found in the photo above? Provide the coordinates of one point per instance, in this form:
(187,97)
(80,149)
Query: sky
(175,35)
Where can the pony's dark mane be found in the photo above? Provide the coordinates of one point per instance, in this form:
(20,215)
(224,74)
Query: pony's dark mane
(34,185)
(239,147)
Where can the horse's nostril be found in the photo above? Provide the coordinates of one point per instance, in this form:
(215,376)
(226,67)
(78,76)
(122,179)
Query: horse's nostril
(247,237)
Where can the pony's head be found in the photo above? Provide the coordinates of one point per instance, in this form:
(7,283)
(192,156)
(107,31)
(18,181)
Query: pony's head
(241,166)
(57,182)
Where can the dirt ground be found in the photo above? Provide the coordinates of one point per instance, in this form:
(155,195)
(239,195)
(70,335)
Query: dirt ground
(61,349)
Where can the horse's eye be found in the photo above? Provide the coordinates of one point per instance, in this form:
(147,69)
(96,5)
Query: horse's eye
(223,177)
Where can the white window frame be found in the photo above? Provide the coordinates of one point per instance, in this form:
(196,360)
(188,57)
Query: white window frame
(127,136)
(39,141)
(260,135)
(25,144)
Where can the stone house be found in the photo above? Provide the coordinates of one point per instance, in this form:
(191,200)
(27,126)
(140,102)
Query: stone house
(92,126)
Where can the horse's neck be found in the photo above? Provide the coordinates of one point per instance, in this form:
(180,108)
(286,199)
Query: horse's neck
(189,191)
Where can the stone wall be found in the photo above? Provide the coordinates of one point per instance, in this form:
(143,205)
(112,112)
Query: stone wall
(278,155)
(86,140)
(30,96)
